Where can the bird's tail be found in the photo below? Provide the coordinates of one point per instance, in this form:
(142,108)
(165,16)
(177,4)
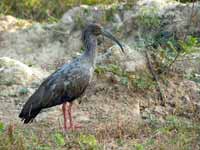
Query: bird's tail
(29,112)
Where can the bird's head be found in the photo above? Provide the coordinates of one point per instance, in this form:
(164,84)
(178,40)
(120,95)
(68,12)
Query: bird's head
(97,30)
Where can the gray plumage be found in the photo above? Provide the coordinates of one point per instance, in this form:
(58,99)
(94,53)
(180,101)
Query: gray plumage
(67,83)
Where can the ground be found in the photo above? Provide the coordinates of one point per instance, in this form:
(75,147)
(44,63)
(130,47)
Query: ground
(113,117)
(119,110)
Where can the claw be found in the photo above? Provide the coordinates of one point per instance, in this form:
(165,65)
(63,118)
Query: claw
(75,126)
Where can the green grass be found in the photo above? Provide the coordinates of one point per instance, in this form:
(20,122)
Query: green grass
(175,132)
(20,138)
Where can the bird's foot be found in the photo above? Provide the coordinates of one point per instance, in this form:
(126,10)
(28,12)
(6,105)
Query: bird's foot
(75,126)
(64,130)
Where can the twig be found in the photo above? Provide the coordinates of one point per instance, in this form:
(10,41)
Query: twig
(155,77)
(170,65)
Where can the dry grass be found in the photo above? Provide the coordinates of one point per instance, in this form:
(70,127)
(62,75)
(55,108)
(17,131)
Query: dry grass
(175,133)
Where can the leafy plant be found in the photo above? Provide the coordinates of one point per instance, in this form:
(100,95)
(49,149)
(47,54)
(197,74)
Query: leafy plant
(148,18)
(88,141)
(194,77)
(23,91)
(109,13)
(109,68)
(8,82)
(124,81)
(1,127)
(153,121)
(143,81)
(139,147)
(190,45)
(168,48)
(59,139)
(140,80)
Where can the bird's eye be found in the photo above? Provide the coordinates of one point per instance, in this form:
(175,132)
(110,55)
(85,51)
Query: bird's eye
(97,31)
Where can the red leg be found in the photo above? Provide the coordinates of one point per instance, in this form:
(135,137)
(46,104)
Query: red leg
(72,126)
(70,114)
(64,115)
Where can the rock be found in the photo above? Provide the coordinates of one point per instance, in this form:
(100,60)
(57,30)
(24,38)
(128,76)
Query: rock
(74,42)
(189,64)
(131,61)
(68,17)
(160,110)
(79,16)
(183,97)
(14,72)
(11,24)
(198,109)
(128,14)
(39,45)
(112,77)
(146,113)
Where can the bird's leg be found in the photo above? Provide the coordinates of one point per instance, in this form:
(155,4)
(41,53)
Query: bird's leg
(72,125)
(64,106)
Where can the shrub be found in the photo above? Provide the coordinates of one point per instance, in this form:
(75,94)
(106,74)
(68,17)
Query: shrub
(43,9)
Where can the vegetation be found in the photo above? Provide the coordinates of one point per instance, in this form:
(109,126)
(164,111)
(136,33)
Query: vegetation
(138,81)
(165,47)
(43,9)
(156,132)
(23,91)
(185,1)
(167,50)
(177,133)
(148,18)
(194,77)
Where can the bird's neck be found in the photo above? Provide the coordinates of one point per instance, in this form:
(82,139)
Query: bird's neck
(90,44)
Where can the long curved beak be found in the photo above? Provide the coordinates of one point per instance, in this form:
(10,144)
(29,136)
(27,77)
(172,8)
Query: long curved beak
(110,36)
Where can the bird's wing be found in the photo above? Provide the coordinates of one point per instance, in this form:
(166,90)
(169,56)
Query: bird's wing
(65,85)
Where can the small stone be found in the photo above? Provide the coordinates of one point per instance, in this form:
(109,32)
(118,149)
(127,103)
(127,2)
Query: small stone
(160,110)
(186,99)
